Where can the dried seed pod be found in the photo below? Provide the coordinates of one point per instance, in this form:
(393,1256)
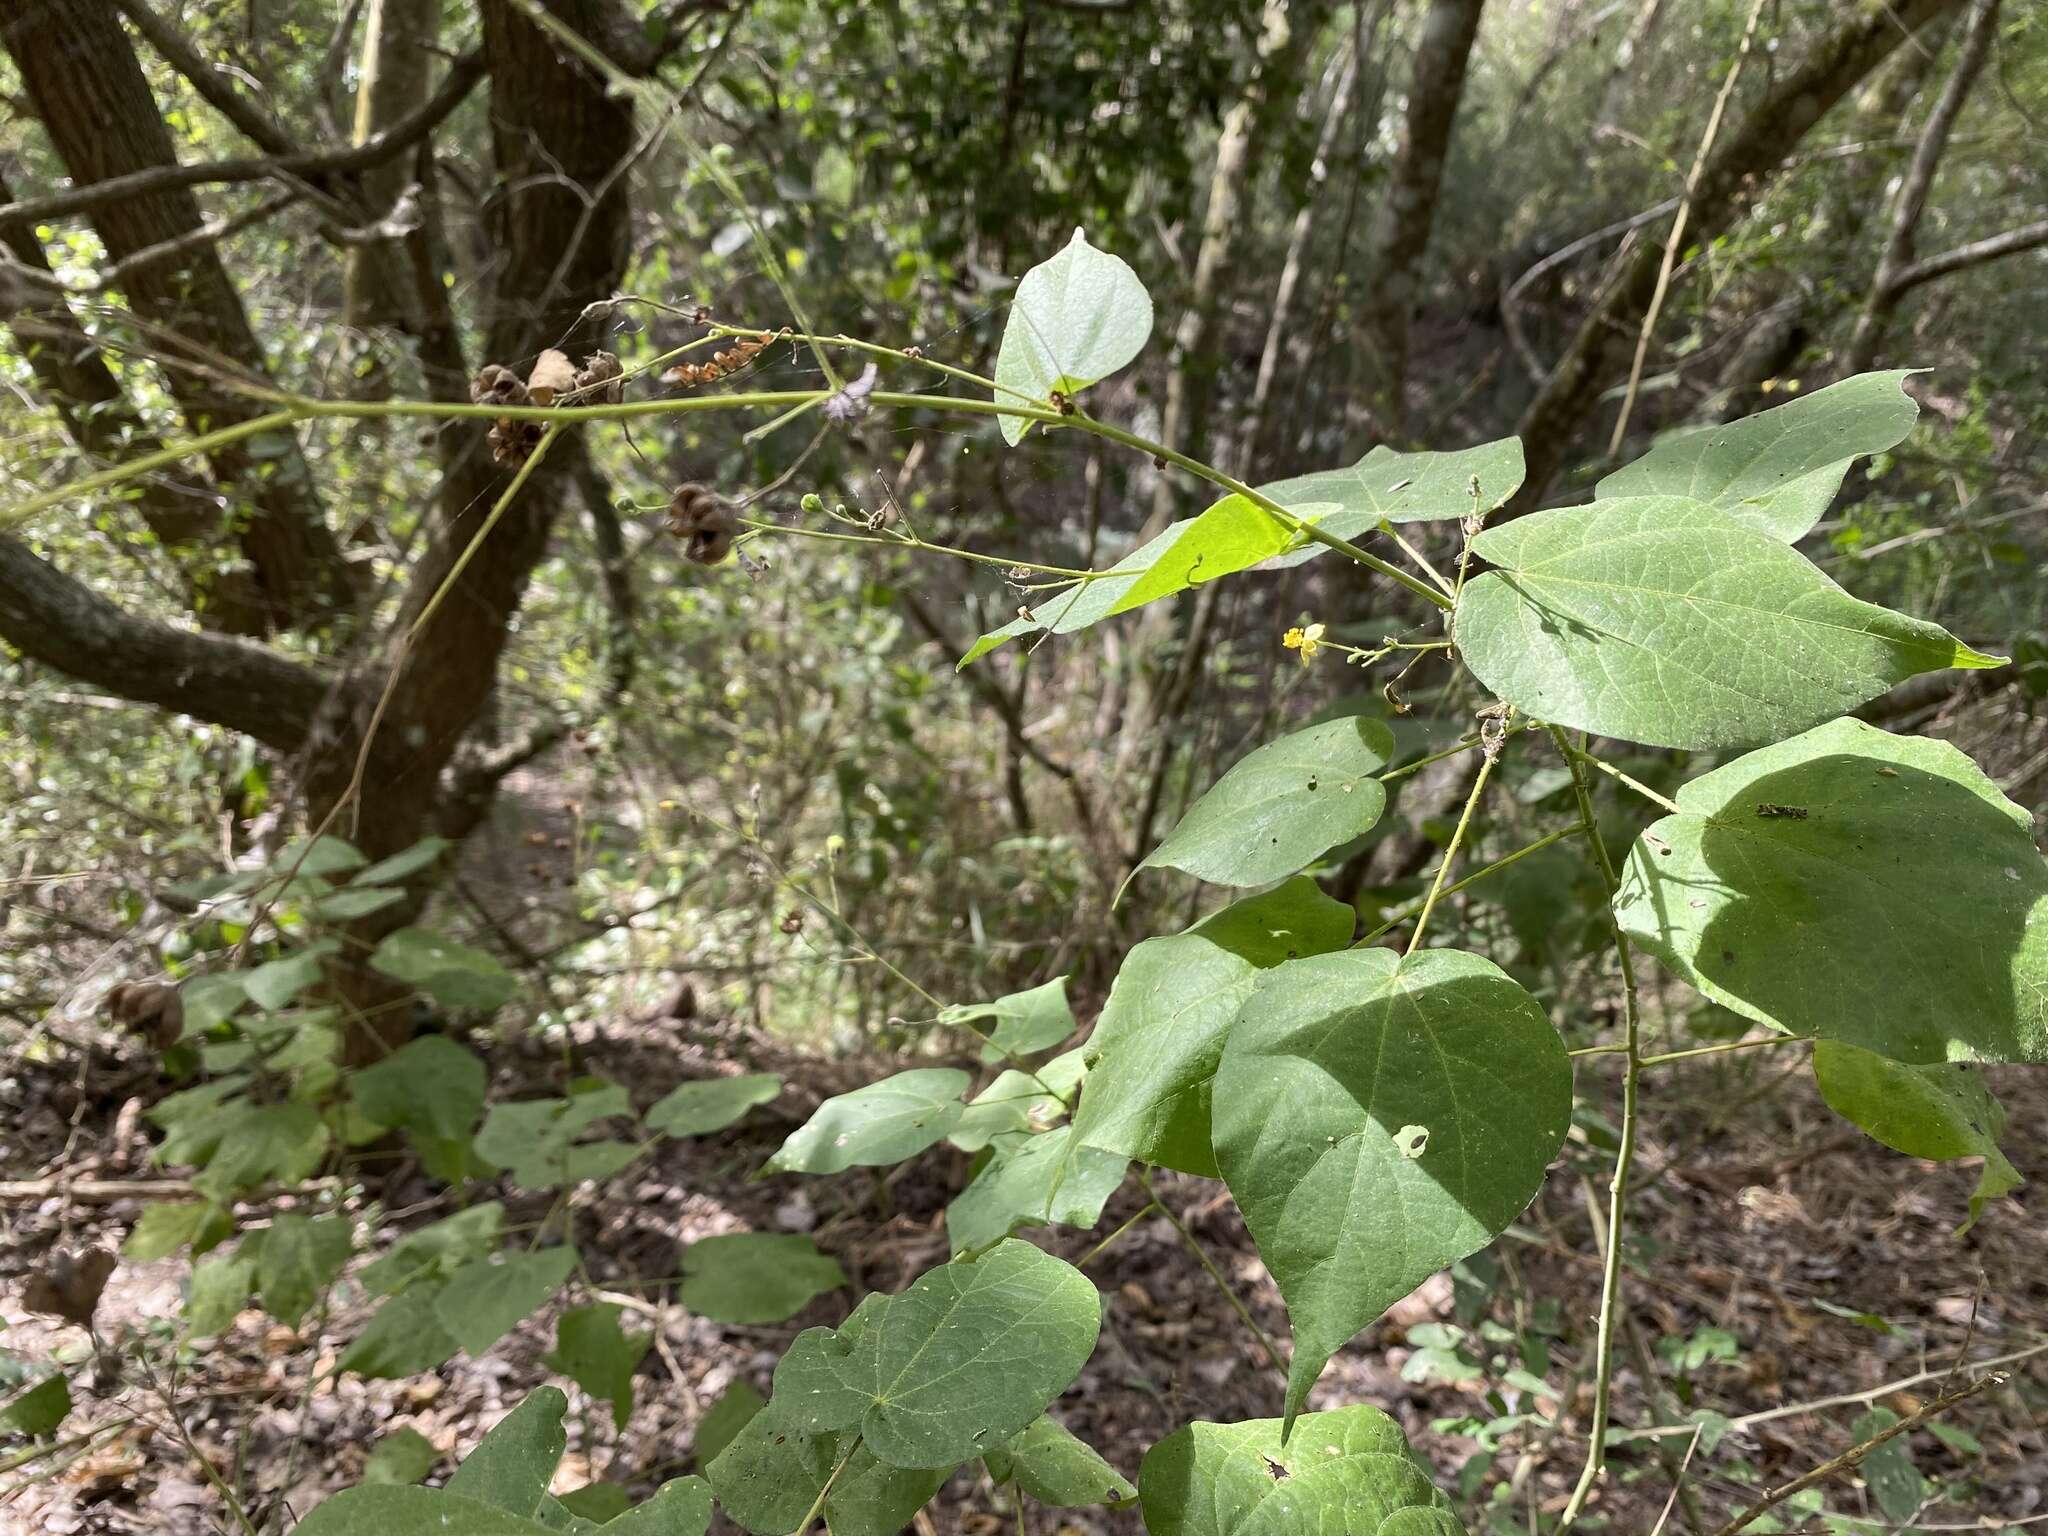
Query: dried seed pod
(495,385)
(704,520)
(600,381)
(793,921)
(151,1009)
(512,441)
(553,374)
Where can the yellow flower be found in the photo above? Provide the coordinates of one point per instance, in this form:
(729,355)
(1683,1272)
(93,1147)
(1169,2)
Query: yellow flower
(1307,641)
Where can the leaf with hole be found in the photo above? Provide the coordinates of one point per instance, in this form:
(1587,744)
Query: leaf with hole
(1048,1462)
(1076,318)
(1855,886)
(698,1109)
(755,1277)
(1283,804)
(1378,1118)
(882,1123)
(956,1364)
(1161,1033)
(1348,1470)
(1943,1111)
(1670,622)
(1778,470)
(1023,1023)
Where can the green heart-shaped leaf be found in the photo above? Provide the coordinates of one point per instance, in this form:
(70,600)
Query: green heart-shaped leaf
(1856,886)
(1667,621)
(951,1367)
(1378,1118)
(874,1126)
(698,1109)
(1284,804)
(756,1277)
(1076,318)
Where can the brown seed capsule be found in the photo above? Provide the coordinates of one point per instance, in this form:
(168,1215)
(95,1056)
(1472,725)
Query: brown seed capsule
(494,385)
(793,921)
(151,1009)
(704,520)
(600,381)
(553,374)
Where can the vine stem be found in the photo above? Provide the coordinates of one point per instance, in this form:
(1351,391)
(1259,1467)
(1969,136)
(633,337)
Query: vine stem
(1489,755)
(1096,1252)
(1408,909)
(1580,754)
(1617,1210)
(1229,1291)
(818,1503)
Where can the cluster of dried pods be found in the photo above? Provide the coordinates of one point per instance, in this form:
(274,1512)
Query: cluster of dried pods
(704,521)
(733,358)
(553,380)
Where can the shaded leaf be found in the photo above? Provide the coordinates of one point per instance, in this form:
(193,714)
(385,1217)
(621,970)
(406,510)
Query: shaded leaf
(403,1456)
(1021,1101)
(536,1138)
(680,1507)
(40,1410)
(275,983)
(1942,1112)
(485,1299)
(220,1286)
(1032,1181)
(697,1109)
(1283,805)
(1348,1470)
(1156,1044)
(430,1085)
(437,1250)
(454,975)
(1670,622)
(388,1511)
(1377,1119)
(300,1259)
(512,1465)
(1778,470)
(755,1277)
(1856,886)
(595,1353)
(873,1126)
(1049,1463)
(724,1419)
(168,1225)
(403,864)
(403,1338)
(1076,318)
(769,1476)
(1400,488)
(959,1362)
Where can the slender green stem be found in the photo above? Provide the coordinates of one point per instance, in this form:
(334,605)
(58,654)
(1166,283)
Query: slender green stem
(894,354)
(1260,499)
(1408,909)
(1580,754)
(1722,1049)
(1443,868)
(1096,1252)
(818,1504)
(142,465)
(1420,560)
(1229,1292)
(912,542)
(1611,1300)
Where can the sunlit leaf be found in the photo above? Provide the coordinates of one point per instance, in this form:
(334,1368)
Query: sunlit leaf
(874,1126)
(1778,470)
(1032,1181)
(455,975)
(1670,622)
(1283,804)
(1024,1022)
(1386,486)
(1378,1118)
(1076,318)
(698,1109)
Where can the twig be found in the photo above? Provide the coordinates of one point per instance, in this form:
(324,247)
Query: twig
(1855,1454)
(1229,1291)
(1671,245)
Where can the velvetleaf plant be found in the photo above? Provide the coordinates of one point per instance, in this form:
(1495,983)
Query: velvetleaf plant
(1377,1113)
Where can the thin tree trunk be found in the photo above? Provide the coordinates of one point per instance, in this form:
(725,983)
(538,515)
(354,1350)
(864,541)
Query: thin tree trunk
(1408,212)
(88,90)
(1743,161)
(1885,290)
(1297,250)
(398,44)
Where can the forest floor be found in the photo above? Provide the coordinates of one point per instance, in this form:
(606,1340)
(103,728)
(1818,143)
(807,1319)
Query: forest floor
(1760,1215)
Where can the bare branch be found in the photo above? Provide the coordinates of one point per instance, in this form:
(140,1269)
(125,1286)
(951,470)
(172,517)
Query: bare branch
(171,45)
(462,75)
(112,277)
(1975,254)
(53,619)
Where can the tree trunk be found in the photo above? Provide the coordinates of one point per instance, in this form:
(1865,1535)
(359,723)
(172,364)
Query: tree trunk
(1885,286)
(1408,213)
(1743,160)
(399,37)
(88,90)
